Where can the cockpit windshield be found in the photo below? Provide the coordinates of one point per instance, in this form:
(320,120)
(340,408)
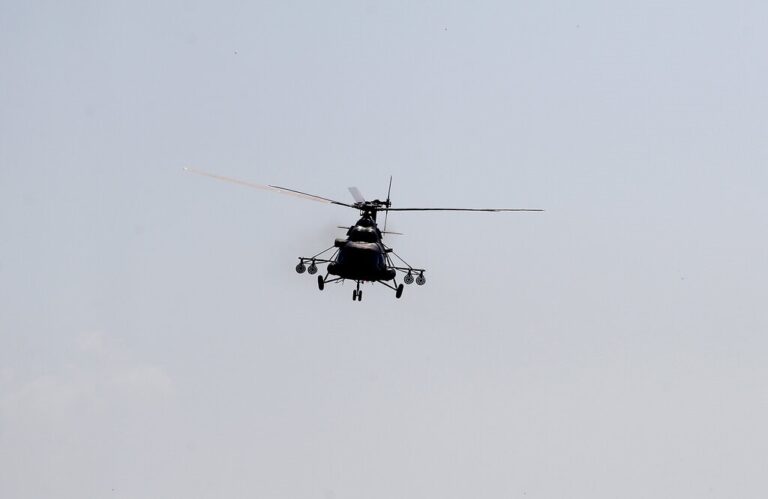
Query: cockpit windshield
(363,234)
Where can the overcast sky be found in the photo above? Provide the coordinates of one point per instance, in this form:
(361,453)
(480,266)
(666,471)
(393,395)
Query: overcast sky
(155,341)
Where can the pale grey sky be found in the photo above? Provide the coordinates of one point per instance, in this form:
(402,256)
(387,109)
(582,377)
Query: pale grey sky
(155,341)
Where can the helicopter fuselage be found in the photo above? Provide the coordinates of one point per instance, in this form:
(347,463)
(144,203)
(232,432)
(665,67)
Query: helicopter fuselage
(362,255)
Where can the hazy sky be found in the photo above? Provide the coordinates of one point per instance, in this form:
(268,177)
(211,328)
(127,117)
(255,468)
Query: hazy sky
(155,341)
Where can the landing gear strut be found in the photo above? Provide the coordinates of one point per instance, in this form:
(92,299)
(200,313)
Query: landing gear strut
(358,293)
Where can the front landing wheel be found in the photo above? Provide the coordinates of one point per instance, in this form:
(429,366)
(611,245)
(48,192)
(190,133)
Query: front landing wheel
(399,291)
(320,282)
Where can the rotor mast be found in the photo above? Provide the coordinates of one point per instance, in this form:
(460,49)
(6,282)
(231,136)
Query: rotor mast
(371,208)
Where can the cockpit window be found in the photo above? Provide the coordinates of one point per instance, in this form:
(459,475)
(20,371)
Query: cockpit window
(365,222)
(363,234)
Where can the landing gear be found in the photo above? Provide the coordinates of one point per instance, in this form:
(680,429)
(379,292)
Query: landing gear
(421,280)
(312,268)
(358,293)
(300,268)
(320,282)
(408,279)
(399,291)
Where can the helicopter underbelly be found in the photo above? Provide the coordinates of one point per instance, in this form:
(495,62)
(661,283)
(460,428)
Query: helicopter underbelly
(361,261)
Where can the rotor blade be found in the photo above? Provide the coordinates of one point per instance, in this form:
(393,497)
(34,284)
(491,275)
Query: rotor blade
(293,192)
(356,194)
(274,188)
(386,211)
(464,209)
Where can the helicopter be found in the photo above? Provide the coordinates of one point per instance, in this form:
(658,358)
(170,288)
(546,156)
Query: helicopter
(362,256)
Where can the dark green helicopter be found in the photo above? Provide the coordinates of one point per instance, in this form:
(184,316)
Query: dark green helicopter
(362,256)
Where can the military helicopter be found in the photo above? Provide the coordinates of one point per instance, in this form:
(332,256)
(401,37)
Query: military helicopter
(362,256)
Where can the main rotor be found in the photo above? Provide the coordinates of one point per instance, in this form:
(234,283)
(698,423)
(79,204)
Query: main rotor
(370,208)
(373,206)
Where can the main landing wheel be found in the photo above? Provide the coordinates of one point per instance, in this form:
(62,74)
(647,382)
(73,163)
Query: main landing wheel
(320,282)
(301,268)
(354,295)
(399,291)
